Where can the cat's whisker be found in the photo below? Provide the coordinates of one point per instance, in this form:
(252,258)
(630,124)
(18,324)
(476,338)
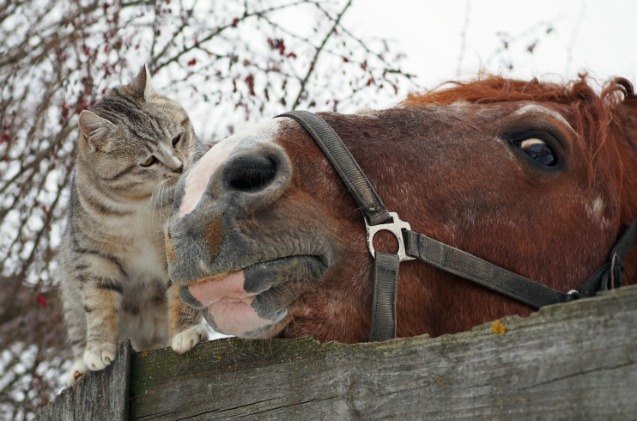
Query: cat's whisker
(156,198)
(155,204)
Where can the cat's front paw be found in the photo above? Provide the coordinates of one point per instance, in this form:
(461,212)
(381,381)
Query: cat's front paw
(99,354)
(77,370)
(186,340)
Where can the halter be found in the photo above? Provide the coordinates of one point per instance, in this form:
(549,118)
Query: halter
(412,245)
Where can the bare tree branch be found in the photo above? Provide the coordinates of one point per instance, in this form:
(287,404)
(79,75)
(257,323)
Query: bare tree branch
(227,62)
(318,52)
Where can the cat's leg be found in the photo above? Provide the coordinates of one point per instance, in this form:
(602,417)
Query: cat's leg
(102,299)
(75,321)
(102,318)
(185,328)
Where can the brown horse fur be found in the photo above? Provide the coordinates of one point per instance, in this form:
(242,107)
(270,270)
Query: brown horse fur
(440,160)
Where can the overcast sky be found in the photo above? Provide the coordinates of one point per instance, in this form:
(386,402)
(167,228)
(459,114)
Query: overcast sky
(598,36)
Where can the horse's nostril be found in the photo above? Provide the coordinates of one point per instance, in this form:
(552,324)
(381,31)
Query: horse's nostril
(250,173)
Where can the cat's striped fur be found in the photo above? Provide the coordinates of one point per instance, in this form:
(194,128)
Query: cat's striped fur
(133,146)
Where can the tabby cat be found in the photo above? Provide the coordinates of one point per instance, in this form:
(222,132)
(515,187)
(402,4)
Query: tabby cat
(133,147)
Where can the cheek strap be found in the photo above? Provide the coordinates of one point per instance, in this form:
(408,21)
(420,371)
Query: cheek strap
(412,245)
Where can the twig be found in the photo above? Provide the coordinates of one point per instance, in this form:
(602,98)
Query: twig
(463,37)
(571,45)
(315,58)
(219,30)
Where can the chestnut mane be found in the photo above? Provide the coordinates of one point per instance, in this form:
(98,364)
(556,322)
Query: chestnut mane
(606,122)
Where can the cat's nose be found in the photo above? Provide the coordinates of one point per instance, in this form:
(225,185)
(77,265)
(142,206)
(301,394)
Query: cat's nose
(173,163)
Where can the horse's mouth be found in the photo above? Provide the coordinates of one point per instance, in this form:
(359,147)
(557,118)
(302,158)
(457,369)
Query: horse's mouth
(253,302)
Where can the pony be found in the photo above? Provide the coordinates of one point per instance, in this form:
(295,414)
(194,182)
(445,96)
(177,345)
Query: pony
(538,178)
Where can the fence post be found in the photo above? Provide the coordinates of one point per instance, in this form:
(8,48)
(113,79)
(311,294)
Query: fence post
(101,395)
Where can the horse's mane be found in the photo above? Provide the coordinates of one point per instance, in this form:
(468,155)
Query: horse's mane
(606,122)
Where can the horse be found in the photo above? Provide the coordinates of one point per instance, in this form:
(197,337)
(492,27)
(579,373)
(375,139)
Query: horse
(537,178)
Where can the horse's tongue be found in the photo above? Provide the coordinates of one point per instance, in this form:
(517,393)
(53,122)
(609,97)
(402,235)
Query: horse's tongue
(229,306)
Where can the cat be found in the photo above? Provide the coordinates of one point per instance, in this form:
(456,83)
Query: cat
(133,146)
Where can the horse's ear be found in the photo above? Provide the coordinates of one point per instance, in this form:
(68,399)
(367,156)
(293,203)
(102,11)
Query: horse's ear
(619,95)
(619,91)
(142,87)
(95,130)
(626,87)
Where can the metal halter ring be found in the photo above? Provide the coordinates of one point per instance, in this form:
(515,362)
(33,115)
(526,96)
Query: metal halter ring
(396,227)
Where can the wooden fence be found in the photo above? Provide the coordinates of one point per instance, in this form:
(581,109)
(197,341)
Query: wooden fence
(575,361)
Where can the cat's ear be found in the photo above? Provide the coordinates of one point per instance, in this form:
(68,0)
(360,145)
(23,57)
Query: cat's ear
(142,86)
(95,130)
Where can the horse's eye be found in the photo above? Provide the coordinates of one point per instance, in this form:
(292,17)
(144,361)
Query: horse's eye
(149,161)
(176,140)
(538,150)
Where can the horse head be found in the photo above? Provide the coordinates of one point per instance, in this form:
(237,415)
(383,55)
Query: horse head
(537,178)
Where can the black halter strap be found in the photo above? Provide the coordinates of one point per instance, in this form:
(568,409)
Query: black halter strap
(412,245)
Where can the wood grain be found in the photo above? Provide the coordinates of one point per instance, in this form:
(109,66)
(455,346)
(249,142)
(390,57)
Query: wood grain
(575,360)
(100,395)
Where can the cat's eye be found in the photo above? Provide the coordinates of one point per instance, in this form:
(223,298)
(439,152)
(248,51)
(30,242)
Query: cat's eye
(149,161)
(176,140)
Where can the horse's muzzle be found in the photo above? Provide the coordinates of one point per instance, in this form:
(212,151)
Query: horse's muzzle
(223,186)
(222,244)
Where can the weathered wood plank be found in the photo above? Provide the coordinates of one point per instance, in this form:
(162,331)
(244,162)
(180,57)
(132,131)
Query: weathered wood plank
(101,395)
(575,360)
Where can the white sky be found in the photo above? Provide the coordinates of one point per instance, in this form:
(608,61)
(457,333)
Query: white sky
(602,36)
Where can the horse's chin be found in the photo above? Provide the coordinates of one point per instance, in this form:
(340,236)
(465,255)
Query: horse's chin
(254,302)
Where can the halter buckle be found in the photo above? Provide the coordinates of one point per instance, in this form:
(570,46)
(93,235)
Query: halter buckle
(396,227)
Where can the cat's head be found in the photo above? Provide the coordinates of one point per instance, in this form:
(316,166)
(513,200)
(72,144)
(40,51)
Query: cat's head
(135,141)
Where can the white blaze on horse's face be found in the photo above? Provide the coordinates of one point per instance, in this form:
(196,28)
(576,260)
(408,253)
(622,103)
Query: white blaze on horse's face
(533,108)
(200,174)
